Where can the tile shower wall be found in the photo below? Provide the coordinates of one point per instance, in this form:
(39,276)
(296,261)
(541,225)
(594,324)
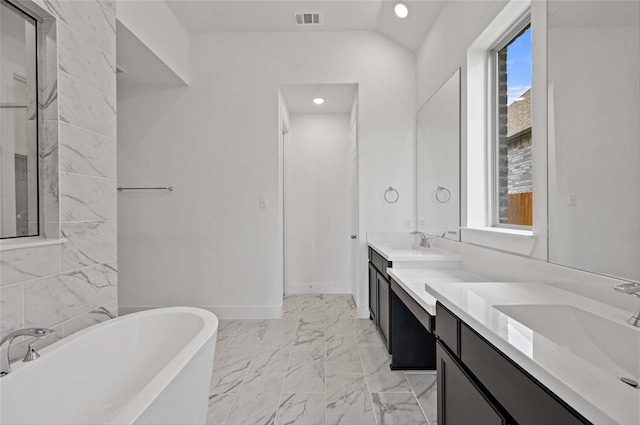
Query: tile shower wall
(73,285)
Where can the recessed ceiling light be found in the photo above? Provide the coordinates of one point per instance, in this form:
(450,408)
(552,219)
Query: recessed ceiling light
(318,101)
(401,9)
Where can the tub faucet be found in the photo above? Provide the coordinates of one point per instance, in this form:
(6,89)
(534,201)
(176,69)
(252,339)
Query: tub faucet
(424,240)
(31,355)
(631,289)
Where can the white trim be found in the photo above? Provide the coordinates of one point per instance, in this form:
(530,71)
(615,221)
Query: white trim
(319,288)
(223,312)
(515,241)
(29,242)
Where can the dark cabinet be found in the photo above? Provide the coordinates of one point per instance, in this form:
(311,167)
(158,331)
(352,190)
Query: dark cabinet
(460,401)
(383,308)
(373,293)
(509,390)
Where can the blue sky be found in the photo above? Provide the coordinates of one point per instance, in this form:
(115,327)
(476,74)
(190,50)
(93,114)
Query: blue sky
(519,66)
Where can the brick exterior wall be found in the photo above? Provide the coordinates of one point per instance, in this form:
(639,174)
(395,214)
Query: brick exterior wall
(519,160)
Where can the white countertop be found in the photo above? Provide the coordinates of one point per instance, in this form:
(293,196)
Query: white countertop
(400,251)
(413,281)
(576,354)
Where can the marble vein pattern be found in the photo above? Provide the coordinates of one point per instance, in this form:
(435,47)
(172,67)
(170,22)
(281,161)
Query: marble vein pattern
(88,243)
(84,152)
(56,299)
(86,107)
(10,309)
(89,18)
(20,265)
(424,387)
(397,408)
(86,61)
(87,198)
(309,368)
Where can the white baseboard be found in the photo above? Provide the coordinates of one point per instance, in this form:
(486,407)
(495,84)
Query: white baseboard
(363,311)
(224,312)
(319,288)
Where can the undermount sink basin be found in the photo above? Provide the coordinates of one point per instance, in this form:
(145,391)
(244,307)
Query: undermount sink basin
(611,346)
(408,248)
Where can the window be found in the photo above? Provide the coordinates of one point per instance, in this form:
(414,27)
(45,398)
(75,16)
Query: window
(19,165)
(511,133)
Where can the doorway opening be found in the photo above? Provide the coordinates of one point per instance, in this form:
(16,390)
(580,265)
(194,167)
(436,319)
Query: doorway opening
(320,188)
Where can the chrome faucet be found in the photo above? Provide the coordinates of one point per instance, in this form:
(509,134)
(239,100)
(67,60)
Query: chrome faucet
(631,289)
(448,232)
(31,355)
(424,240)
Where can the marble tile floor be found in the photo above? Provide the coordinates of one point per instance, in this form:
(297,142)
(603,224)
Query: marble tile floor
(318,365)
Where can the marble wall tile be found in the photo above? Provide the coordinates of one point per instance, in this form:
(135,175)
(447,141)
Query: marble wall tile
(219,406)
(89,18)
(87,198)
(10,309)
(84,152)
(56,299)
(84,60)
(48,96)
(88,243)
(301,409)
(108,5)
(50,179)
(19,265)
(93,317)
(348,400)
(257,402)
(397,409)
(85,106)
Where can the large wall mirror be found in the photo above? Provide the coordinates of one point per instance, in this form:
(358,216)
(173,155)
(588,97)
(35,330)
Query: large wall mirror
(438,162)
(594,136)
(18,124)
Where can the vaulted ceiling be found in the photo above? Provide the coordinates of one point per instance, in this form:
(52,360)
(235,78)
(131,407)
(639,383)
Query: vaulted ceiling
(199,16)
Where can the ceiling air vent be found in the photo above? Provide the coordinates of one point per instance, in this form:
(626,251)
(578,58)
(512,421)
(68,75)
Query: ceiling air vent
(308,18)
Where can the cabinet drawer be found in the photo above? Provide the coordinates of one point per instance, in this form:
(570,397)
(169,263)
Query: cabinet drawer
(379,262)
(423,317)
(448,328)
(460,401)
(526,400)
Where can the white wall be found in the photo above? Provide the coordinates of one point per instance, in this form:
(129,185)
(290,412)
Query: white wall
(317,198)
(208,243)
(155,25)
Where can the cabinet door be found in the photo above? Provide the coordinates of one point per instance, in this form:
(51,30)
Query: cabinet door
(383,308)
(460,402)
(373,293)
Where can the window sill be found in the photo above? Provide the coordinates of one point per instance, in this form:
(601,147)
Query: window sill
(32,242)
(510,240)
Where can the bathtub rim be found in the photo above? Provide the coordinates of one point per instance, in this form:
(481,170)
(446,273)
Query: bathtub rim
(153,388)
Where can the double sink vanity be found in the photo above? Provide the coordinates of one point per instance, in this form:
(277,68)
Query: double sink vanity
(504,352)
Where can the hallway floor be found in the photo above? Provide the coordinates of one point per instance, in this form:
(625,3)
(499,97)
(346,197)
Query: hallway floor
(319,365)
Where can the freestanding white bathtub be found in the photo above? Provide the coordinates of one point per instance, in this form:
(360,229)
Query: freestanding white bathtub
(152,367)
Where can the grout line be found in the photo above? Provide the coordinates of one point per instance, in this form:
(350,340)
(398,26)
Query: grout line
(418,401)
(295,334)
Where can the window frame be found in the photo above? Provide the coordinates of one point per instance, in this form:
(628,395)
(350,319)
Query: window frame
(37,22)
(493,170)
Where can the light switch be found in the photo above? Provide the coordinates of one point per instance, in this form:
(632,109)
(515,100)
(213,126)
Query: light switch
(573,199)
(422,223)
(263,203)
(408,223)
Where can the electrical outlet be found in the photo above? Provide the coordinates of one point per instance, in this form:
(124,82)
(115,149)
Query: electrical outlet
(573,199)
(408,223)
(263,203)
(422,223)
